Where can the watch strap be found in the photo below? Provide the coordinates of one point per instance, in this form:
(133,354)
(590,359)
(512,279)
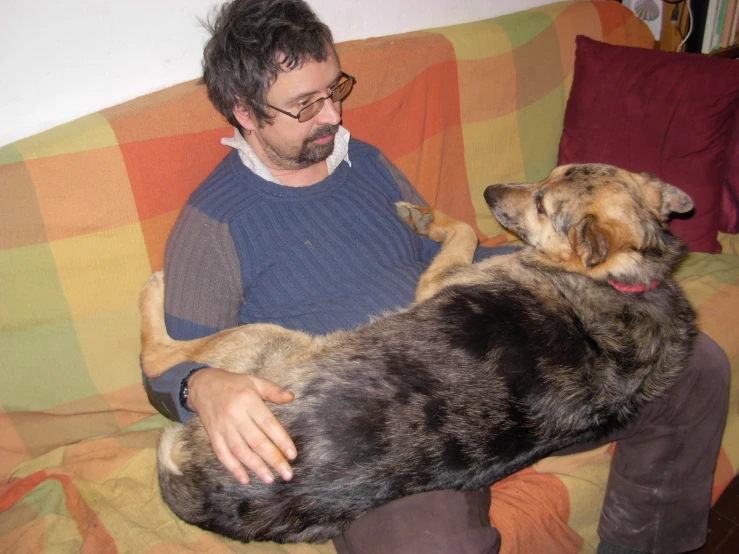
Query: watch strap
(165,391)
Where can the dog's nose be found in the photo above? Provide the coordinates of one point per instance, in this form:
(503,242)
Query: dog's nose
(491,194)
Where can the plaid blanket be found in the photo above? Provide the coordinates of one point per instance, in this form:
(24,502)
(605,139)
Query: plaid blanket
(85,210)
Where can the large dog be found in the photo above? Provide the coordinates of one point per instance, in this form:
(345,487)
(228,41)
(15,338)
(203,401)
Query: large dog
(495,365)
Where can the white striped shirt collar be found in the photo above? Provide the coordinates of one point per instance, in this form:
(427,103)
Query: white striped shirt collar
(250,159)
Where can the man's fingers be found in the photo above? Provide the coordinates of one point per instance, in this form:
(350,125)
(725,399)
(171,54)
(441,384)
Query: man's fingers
(229,461)
(251,459)
(277,435)
(270,440)
(247,445)
(267,422)
(266,452)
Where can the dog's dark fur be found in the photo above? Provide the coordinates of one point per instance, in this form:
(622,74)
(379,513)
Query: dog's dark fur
(497,365)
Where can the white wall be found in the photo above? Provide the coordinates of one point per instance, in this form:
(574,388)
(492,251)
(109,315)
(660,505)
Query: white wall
(652,17)
(62,59)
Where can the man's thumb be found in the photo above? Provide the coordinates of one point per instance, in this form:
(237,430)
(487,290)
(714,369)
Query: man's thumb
(271,392)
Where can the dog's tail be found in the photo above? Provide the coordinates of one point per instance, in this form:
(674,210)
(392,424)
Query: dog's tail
(183,494)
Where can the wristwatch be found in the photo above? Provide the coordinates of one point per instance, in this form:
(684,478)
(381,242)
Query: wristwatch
(185,388)
(169,392)
(185,391)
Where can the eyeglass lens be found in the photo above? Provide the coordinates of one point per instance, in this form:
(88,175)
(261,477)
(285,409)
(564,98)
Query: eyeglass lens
(337,95)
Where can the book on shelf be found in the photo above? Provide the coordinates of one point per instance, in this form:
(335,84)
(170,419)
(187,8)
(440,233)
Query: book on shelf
(721,25)
(709,29)
(729,18)
(734,31)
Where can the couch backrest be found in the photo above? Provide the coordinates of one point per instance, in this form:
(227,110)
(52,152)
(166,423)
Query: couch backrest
(85,208)
(460,107)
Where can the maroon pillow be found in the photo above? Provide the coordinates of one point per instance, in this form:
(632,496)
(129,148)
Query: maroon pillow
(663,113)
(729,222)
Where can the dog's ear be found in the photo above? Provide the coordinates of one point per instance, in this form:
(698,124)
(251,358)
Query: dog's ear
(589,241)
(674,201)
(671,199)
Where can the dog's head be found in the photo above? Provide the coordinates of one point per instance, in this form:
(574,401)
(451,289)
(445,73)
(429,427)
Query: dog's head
(595,219)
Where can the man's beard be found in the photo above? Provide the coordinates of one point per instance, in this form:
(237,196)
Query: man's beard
(309,153)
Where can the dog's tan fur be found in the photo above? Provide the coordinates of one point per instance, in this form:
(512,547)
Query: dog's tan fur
(470,383)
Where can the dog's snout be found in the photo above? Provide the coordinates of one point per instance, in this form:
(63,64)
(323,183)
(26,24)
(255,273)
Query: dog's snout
(492,194)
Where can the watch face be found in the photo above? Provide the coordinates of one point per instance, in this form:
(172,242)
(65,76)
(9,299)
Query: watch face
(185,389)
(184,393)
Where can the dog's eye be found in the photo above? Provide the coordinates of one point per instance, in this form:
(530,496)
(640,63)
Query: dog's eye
(539,206)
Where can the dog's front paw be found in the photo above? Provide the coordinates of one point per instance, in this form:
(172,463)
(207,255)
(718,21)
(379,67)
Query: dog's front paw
(418,217)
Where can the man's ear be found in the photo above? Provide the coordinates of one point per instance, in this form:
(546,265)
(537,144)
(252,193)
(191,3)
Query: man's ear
(589,241)
(245,117)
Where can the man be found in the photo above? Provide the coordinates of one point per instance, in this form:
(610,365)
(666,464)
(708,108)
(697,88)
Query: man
(297,227)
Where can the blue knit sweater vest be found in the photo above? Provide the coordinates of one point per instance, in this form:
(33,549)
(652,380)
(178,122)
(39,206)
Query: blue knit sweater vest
(318,259)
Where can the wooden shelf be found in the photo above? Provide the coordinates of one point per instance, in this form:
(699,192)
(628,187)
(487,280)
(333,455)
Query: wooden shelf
(728,52)
(671,36)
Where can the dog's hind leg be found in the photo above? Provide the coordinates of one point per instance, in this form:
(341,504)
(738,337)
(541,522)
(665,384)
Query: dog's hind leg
(242,349)
(159,351)
(458,243)
(154,337)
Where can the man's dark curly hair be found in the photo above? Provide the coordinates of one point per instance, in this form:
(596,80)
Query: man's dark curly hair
(251,42)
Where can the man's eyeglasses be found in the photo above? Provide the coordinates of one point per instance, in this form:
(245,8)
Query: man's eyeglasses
(338,93)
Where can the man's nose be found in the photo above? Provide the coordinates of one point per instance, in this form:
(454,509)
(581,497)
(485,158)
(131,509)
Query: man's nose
(330,113)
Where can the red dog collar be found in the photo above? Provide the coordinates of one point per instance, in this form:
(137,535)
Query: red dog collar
(624,287)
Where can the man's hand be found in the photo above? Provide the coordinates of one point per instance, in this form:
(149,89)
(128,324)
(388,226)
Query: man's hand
(241,427)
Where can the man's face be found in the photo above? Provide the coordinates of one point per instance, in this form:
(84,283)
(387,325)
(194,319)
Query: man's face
(285,143)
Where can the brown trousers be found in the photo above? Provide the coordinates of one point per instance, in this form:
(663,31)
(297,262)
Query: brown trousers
(658,493)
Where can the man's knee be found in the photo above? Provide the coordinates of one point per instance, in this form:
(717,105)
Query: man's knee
(697,402)
(699,398)
(439,522)
(709,372)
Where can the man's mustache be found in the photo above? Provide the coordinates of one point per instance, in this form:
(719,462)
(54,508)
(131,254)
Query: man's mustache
(325,131)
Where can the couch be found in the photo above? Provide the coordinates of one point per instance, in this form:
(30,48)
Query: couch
(85,209)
